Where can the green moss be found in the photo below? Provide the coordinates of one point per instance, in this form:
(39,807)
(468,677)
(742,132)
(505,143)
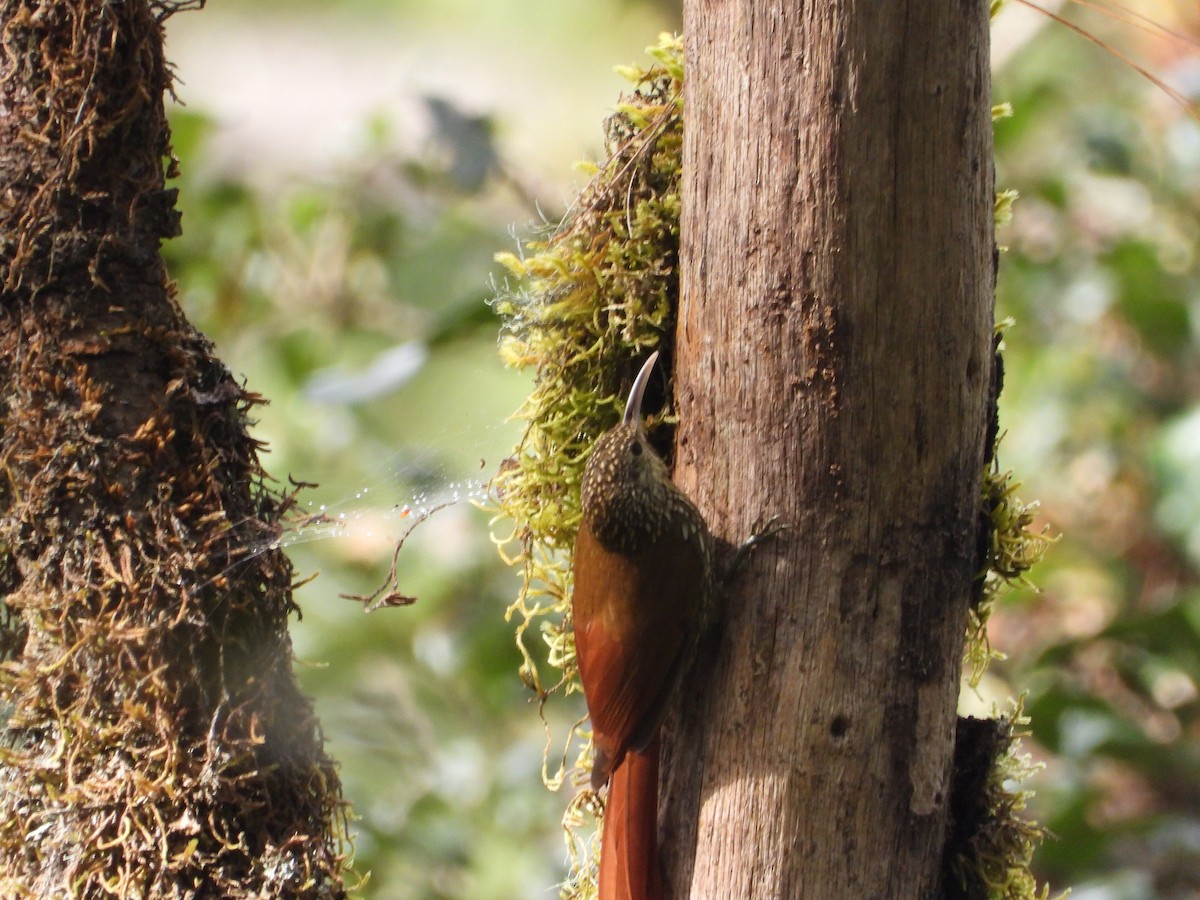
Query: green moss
(1014,546)
(591,300)
(991,844)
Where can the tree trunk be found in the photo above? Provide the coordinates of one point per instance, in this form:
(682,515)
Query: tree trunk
(833,363)
(155,743)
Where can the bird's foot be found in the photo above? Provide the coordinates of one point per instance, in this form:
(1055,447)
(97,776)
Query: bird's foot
(762,532)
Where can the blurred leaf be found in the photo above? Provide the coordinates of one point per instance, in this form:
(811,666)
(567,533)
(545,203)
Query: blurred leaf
(1151,300)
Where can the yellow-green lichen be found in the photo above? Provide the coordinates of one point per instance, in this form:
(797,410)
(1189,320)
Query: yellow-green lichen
(592,300)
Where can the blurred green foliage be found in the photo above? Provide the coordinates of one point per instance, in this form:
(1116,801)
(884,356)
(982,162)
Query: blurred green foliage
(440,750)
(1102,409)
(355,300)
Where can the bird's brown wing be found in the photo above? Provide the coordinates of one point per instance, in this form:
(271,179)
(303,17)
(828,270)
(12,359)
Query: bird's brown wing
(635,621)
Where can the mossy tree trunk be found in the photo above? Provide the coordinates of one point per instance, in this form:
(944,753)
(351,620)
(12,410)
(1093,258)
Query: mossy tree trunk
(833,365)
(155,744)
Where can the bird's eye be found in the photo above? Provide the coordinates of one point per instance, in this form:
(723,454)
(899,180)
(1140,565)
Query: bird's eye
(636,449)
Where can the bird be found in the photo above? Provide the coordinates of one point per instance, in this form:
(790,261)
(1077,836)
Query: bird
(642,585)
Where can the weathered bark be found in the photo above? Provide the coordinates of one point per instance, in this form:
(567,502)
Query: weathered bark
(833,362)
(155,743)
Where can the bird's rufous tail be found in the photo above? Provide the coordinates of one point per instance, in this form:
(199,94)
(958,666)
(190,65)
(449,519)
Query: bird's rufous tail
(629,866)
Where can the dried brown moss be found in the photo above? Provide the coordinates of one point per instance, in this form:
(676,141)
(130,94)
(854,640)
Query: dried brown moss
(156,744)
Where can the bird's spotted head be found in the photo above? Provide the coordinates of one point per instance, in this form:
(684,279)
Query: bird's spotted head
(625,480)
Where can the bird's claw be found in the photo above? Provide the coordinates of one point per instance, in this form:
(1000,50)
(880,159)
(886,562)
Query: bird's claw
(764,530)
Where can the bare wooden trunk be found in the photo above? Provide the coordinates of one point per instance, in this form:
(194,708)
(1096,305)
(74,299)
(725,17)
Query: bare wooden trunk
(834,352)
